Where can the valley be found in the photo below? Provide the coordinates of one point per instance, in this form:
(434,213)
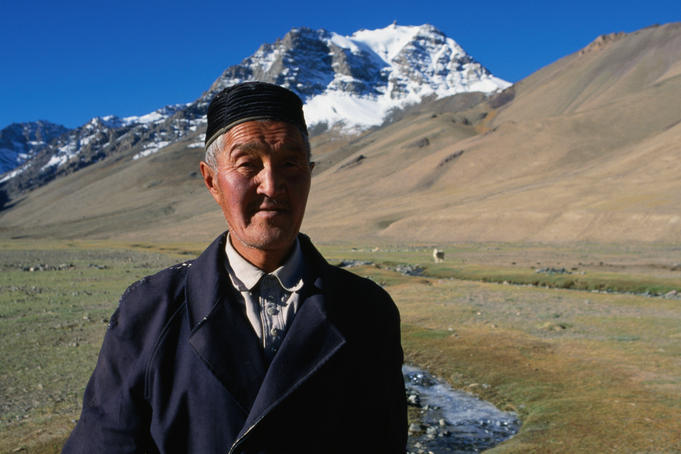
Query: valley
(585,371)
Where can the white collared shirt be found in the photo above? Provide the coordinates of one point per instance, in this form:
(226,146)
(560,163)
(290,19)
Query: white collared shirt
(270,299)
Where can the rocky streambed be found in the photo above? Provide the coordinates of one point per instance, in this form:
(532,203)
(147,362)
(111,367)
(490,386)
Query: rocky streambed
(452,421)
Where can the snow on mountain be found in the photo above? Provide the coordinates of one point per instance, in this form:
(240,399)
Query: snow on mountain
(97,139)
(101,132)
(20,141)
(154,117)
(346,82)
(355,81)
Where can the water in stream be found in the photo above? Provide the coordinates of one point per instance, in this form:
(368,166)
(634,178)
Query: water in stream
(453,421)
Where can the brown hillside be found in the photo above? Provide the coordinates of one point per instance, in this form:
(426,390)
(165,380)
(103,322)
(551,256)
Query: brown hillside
(588,150)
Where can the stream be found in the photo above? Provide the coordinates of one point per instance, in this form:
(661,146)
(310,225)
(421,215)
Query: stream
(452,421)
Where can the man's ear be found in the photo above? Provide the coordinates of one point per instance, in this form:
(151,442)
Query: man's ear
(210,180)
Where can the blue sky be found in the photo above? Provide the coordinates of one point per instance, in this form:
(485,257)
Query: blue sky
(69,61)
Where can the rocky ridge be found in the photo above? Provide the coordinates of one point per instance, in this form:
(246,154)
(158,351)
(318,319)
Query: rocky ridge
(21,141)
(98,139)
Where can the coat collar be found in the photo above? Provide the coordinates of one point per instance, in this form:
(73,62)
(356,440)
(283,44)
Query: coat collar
(225,341)
(216,319)
(244,275)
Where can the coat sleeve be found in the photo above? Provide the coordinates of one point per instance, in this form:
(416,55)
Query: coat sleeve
(115,415)
(372,321)
(395,402)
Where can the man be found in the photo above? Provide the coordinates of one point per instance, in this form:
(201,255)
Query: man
(258,345)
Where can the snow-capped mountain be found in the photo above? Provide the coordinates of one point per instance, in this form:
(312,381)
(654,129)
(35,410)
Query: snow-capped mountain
(355,81)
(91,141)
(102,137)
(20,141)
(346,82)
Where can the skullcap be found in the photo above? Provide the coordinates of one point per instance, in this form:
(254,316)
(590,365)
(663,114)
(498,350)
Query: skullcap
(251,101)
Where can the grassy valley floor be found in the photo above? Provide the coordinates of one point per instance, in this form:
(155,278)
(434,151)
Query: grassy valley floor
(569,337)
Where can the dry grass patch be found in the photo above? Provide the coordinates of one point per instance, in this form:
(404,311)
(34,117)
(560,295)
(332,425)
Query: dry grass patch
(577,389)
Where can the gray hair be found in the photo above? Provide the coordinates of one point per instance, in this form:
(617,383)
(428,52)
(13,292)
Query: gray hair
(219,143)
(212,151)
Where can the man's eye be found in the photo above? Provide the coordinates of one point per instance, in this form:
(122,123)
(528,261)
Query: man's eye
(294,161)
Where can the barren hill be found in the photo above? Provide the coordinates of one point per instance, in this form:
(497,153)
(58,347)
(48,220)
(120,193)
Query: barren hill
(588,149)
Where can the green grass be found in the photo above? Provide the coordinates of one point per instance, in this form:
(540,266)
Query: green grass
(52,324)
(589,280)
(625,272)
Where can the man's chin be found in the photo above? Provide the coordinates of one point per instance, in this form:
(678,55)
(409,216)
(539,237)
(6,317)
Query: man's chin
(274,238)
(271,216)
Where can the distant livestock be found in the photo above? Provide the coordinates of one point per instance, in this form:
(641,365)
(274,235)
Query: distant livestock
(438,255)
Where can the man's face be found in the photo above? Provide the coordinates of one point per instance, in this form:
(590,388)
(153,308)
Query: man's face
(261,183)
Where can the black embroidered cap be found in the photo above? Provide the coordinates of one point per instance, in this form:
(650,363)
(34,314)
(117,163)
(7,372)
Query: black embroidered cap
(250,101)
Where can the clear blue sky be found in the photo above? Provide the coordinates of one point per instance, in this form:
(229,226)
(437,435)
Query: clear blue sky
(68,61)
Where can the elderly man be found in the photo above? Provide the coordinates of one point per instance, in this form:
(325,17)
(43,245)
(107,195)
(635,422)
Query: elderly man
(258,345)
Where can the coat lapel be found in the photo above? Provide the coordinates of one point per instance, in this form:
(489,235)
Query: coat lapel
(221,334)
(311,340)
(231,351)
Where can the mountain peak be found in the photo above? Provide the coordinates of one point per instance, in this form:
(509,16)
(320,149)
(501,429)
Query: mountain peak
(601,42)
(20,141)
(353,82)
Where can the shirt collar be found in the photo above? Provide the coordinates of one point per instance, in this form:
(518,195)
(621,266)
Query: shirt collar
(244,275)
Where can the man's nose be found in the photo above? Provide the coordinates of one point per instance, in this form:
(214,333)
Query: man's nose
(270,182)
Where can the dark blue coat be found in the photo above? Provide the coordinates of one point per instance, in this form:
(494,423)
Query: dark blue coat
(181,369)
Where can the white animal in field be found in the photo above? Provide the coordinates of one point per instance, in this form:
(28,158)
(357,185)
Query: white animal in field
(438,255)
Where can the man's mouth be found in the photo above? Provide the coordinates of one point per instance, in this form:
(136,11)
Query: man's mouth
(272,205)
(269,209)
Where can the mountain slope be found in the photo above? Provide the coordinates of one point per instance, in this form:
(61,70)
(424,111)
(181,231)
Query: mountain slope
(586,149)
